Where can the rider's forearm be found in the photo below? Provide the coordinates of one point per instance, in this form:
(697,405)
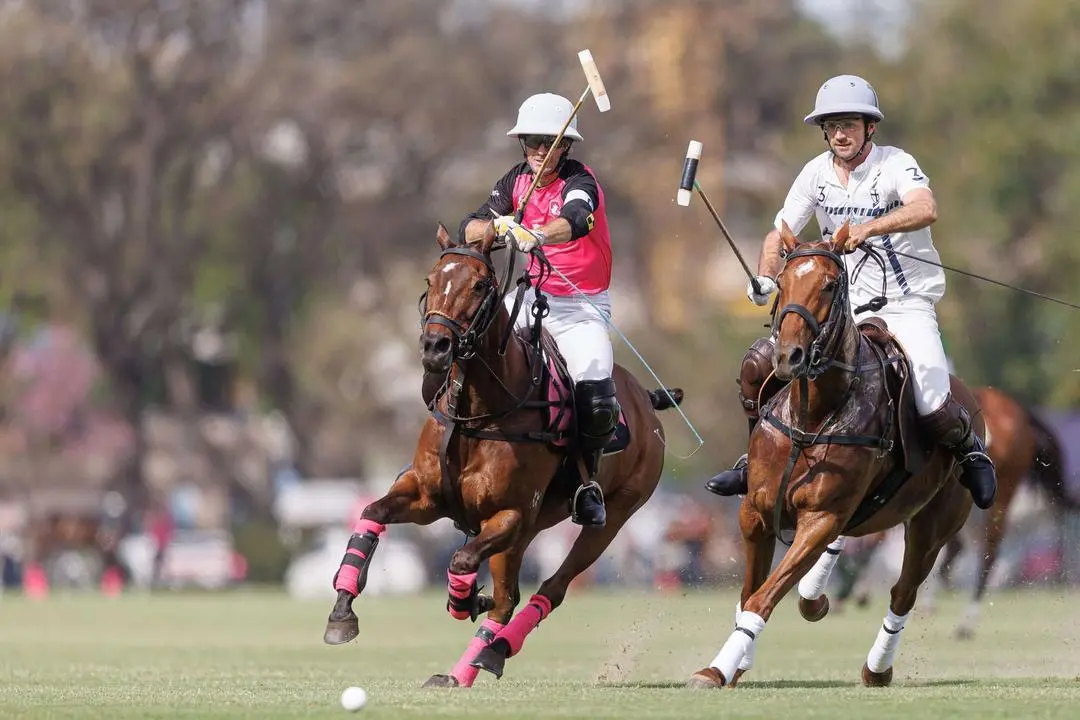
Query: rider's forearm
(557,232)
(906,218)
(771,263)
(477,230)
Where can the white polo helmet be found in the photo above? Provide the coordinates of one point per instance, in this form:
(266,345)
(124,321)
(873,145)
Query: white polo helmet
(544,114)
(845,94)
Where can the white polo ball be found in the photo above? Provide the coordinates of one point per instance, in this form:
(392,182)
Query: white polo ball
(353,699)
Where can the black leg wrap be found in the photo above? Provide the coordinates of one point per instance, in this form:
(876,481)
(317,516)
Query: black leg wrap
(365,545)
(475,604)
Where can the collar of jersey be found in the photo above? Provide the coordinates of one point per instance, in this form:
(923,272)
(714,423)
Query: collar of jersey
(859,172)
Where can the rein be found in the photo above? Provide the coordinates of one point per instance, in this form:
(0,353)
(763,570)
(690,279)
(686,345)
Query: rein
(825,346)
(466,337)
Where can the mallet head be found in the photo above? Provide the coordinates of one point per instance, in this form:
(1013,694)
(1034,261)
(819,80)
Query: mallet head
(596,84)
(689,173)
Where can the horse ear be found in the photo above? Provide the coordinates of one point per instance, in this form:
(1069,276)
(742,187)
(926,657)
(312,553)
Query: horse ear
(840,237)
(787,237)
(488,240)
(443,236)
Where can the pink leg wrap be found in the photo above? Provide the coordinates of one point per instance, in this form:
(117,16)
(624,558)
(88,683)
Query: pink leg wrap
(462,672)
(351,576)
(363,526)
(459,587)
(524,622)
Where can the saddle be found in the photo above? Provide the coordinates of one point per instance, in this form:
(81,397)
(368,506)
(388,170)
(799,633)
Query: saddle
(915,447)
(557,394)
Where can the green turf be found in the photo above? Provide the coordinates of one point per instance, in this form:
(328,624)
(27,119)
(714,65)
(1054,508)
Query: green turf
(621,655)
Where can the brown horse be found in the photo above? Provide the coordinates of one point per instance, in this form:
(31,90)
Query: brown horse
(494,459)
(837,453)
(1021,446)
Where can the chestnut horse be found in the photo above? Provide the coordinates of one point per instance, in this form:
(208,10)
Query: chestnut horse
(836,453)
(497,459)
(1021,446)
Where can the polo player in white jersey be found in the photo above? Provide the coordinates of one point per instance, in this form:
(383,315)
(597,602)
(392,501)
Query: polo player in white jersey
(886,196)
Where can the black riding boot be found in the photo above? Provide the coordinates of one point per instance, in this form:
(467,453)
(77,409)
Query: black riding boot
(597,418)
(951,426)
(733,481)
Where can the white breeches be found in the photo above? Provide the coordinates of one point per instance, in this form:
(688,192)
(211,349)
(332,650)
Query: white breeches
(913,321)
(579,329)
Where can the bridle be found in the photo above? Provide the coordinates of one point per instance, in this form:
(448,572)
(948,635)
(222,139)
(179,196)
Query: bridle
(465,334)
(826,337)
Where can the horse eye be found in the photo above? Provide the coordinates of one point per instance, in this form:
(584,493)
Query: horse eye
(479,286)
(830,286)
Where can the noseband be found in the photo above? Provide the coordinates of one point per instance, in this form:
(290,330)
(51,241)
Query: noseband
(827,336)
(466,333)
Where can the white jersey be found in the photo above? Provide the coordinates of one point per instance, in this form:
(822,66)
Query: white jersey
(874,188)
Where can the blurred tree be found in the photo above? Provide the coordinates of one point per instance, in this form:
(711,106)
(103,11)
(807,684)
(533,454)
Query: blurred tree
(996,129)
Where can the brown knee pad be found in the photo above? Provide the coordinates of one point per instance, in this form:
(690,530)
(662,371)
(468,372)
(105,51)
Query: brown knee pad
(757,366)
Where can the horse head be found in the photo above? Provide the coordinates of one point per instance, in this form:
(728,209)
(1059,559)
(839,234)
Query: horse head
(813,302)
(460,303)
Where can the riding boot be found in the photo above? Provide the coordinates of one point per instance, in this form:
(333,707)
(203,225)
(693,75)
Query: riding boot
(951,426)
(597,417)
(733,481)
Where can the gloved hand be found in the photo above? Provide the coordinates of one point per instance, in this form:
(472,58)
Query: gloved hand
(768,287)
(523,239)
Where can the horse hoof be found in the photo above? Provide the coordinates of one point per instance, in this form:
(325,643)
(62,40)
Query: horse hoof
(339,632)
(490,660)
(442,681)
(708,679)
(875,679)
(814,610)
(735,680)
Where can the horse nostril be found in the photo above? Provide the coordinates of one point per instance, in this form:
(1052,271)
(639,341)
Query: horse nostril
(441,346)
(795,357)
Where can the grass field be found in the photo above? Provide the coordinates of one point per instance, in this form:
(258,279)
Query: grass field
(600,656)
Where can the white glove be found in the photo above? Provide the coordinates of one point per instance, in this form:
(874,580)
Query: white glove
(768,287)
(524,240)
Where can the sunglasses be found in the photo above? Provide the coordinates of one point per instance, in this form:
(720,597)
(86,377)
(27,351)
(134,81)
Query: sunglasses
(848,125)
(535,142)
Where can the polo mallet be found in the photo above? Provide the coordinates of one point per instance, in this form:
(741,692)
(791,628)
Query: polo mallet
(689,182)
(599,93)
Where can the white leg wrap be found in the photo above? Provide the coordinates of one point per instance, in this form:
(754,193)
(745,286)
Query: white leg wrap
(813,583)
(882,653)
(747,661)
(738,644)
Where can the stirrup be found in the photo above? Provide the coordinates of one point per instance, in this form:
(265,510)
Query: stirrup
(576,518)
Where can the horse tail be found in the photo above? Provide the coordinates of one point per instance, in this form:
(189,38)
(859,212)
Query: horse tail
(1048,465)
(665,398)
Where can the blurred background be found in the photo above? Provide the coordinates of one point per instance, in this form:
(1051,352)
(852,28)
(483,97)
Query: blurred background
(218,214)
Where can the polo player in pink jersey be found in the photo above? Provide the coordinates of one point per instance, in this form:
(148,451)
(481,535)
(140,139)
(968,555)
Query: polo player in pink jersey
(566,216)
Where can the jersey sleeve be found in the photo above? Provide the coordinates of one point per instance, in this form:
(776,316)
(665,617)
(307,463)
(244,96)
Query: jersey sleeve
(906,174)
(581,198)
(499,202)
(800,202)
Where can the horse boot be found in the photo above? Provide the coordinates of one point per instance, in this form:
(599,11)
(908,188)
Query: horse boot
(951,426)
(597,417)
(757,366)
